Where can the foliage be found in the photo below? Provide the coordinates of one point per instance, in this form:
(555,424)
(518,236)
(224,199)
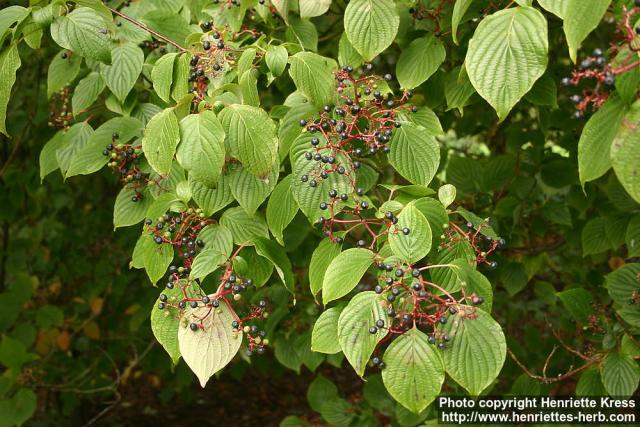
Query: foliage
(398,183)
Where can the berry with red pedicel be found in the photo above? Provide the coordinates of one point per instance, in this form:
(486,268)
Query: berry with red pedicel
(373,330)
(476,300)
(194,327)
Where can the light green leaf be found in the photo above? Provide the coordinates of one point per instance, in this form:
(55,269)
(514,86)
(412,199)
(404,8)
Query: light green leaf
(126,212)
(211,347)
(275,253)
(206,262)
(320,260)
(419,61)
(344,272)
(9,64)
(596,139)
(414,246)
(622,283)
(347,54)
(248,84)
(414,153)
(156,259)
(371,25)
(75,138)
(11,15)
(252,137)
(48,160)
(211,200)
(458,89)
(170,24)
(90,158)
(281,208)
(625,152)
(303,32)
(359,315)
(578,20)
(324,338)
(620,374)
(162,76)
(126,65)
(477,350)
(459,9)
(63,70)
(161,137)
(202,150)
(414,370)
(313,8)
(249,190)
(313,76)
(87,92)
(276,59)
(244,227)
(165,322)
(507,54)
(217,237)
(447,194)
(85,32)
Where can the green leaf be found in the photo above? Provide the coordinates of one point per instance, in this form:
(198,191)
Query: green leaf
(252,137)
(202,150)
(211,200)
(217,237)
(414,370)
(459,9)
(303,32)
(414,246)
(625,152)
(507,54)
(474,282)
(211,347)
(249,190)
(359,315)
(313,8)
(596,139)
(632,237)
(276,59)
(419,61)
(622,283)
(320,260)
(313,76)
(244,227)
(126,212)
(281,208)
(324,338)
(248,84)
(620,374)
(206,262)
(161,137)
(86,92)
(578,303)
(344,272)
(156,259)
(9,64)
(90,158)
(321,390)
(126,65)
(544,92)
(11,15)
(181,71)
(578,20)
(447,194)
(594,237)
(162,76)
(458,89)
(477,350)
(165,322)
(590,384)
(170,24)
(276,254)
(414,154)
(75,138)
(48,160)
(347,54)
(62,71)
(371,25)
(307,197)
(85,32)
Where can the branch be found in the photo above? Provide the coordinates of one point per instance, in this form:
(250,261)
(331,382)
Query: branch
(147,29)
(549,380)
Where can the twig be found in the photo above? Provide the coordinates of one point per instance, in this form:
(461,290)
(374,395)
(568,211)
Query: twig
(147,29)
(549,380)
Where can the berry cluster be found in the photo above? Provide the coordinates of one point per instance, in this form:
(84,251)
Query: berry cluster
(412,301)
(344,222)
(482,245)
(124,159)
(60,115)
(601,69)
(231,287)
(361,125)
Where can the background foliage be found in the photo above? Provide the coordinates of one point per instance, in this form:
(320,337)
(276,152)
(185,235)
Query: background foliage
(527,108)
